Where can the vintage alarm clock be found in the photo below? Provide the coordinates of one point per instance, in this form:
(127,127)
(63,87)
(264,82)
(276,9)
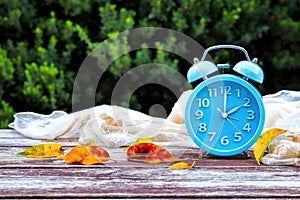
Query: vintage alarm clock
(225,113)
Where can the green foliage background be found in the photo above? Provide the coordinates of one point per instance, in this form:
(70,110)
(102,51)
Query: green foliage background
(43,44)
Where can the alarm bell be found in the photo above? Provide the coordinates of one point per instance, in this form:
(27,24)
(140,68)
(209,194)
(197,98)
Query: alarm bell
(247,68)
(250,70)
(201,70)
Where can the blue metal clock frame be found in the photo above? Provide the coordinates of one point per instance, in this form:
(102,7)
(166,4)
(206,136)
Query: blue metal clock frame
(221,126)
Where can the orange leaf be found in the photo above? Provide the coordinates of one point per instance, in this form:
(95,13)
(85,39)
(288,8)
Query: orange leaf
(97,152)
(263,141)
(87,155)
(150,153)
(43,151)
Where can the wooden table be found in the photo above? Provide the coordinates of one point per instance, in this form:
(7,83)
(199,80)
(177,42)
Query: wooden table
(234,177)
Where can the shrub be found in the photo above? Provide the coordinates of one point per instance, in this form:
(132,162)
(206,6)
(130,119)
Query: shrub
(44,42)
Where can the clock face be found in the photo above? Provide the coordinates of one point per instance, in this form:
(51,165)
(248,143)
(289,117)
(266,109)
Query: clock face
(225,115)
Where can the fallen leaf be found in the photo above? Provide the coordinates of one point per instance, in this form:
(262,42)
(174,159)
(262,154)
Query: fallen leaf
(182,165)
(264,140)
(87,155)
(91,143)
(141,140)
(150,153)
(43,151)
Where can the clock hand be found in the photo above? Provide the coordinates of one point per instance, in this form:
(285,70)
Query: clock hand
(234,109)
(233,118)
(223,114)
(219,110)
(233,125)
(225,102)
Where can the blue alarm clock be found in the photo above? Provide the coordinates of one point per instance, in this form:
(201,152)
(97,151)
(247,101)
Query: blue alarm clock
(225,113)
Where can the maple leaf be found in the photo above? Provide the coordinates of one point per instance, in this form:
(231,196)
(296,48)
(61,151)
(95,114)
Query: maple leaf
(263,141)
(150,153)
(43,151)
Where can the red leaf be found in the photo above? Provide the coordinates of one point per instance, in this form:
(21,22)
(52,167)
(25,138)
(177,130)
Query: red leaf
(150,153)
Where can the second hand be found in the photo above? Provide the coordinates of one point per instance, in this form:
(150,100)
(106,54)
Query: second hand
(233,125)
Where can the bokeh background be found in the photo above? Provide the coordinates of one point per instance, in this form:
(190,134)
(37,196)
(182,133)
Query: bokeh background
(44,42)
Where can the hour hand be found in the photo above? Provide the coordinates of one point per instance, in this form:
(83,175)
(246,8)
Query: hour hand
(234,109)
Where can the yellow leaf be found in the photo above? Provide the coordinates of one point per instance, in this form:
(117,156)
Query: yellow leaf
(182,165)
(264,140)
(43,151)
(140,140)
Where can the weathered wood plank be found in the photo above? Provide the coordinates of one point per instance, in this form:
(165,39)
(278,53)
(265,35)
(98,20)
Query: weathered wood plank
(148,182)
(9,133)
(10,138)
(9,157)
(214,177)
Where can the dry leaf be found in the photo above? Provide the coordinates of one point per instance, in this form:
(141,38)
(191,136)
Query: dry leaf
(87,155)
(43,151)
(111,121)
(150,153)
(141,140)
(294,137)
(182,165)
(263,141)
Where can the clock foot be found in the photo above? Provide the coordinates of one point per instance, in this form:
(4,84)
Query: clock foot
(203,154)
(246,154)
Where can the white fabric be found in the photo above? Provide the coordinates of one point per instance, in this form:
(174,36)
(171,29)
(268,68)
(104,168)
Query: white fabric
(40,126)
(108,126)
(114,126)
(283,111)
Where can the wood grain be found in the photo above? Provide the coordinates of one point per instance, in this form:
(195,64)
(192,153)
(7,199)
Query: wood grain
(213,177)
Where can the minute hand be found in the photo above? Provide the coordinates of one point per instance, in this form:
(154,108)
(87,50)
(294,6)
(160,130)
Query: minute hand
(234,109)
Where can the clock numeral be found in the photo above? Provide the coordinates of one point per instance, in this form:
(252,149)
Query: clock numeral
(250,114)
(238,92)
(202,127)
(226,89)
(212,136)
(247,103)
(199,114)
(247,127)
(237,136)
(212,92)
(203,102)
(224,140)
